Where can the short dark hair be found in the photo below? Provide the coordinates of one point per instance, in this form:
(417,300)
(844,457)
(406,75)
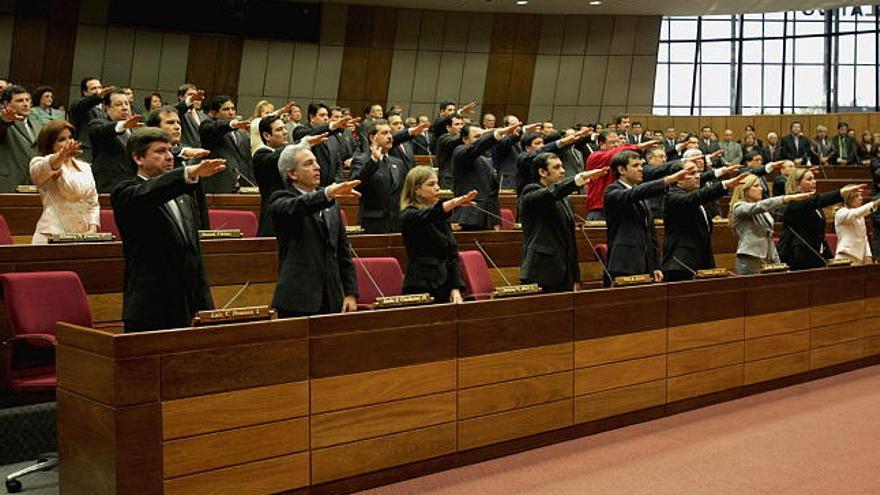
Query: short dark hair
(542,161)
(752,154)
(635,123)
(13,90)
(446,103)
(622,160)
(49,134)
(117,91)
(705,127)
(142,137)
(793,122)
(453,119)
(466,130)
(335,108)
(84,83)
(266,125)
(148,100)
(314,107)
(40,91)
(156,117)
(217,102)
(619,118)
(373,127)
(183,88)
(529,138)
(842,124)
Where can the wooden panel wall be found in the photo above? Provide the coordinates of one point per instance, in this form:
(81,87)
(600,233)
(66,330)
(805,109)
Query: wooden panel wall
(214,63)
(763,124)
(366,60)
(512,53)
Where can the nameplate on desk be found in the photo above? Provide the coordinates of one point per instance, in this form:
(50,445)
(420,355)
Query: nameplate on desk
(594,223)
(517,226)
(354,229)
(220,234)
(627,280)
(838,262)
(721,221)
(658,221)
(455,227)
(72,237)
(774,268)
(516,290)
(507,191)
(446,192)
(712,273)
(402,300)
(233,315)
(249,190)
(28,189)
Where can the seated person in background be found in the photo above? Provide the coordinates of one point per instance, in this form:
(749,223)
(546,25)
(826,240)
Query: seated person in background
(820,146)
(753,224)
(381,177)
(795,146)
(843,148)
(708,175)
(227,138)
(67,188)
(550,253)
(849,223)
(432,266)
(153,102)
(687,246)
(18,136)
(802,244)
(44,105)
(866,149)
(749,145)
(632,240)
(316,273)
(732,151)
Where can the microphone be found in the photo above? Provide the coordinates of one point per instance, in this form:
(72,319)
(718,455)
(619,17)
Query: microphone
(240,292)
(841,262)
(592,247)
(682,263)
(384,301)
(242,176)
(480,247)
(509,289)
(369,275)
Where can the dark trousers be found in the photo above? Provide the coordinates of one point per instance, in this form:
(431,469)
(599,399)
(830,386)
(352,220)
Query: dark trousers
(677,275)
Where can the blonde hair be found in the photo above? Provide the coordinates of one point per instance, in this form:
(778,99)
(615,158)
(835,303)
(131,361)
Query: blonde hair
(793,186)
(258,108)
(409,196)
(739,192)
(850,195)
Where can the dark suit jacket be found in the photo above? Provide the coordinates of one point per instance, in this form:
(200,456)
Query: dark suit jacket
(328,159)
(710,148)
(632,240)
(16,150)
(438,129)
(111,164)
(381,183)
(688,230)
(81,113)
(269,180)
(314,257)
(790,153)
(505,155)
(420,145)
(471,169)
(671,152)
(525,161)
(402,148)
(431,251)
(807,219)
(550,256)
(188,127)
(165,282)
(216,136)
(198,195)
(445,145)
(842,147)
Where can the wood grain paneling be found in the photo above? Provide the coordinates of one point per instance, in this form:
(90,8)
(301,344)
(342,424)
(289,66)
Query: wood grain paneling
(763,295)
(43,42)
(872,346)
(259,478)
(704,358)
(115,383)
(618,401)
(616,375)
(518,423)
(378,453)
(836,334)
(197,415)
(835,354)
(871,327)
(777,345)
(776,367)
(829,314)
(704,334)
(704,382)
(341,392)
(777,323)
(366,422)
(228,448)
(214,63)
(513,365)
(367,56)
(502,397)
(512,53)
(618,348)
(489,336)
(719,299)
(600,313)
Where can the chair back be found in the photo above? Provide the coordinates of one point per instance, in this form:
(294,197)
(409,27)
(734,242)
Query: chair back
(602,252)
(831,239)
(385,272)
(245,221)
(108,223)
(5,234)
(508,219)
(476,275)
(35,301)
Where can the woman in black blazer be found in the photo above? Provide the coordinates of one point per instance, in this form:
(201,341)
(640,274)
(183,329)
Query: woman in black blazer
(431,250)
(802,244)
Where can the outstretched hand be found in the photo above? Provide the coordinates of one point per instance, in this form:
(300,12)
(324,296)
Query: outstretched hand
(316,139)
(469,108)
(191,153)
(206,168)
(465,200)
(343,190)
(675,178)
(731,183)
(419,129)
(133,121)
(10,115)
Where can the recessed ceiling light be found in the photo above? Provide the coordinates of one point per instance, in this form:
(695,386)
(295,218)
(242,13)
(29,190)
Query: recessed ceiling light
(522,2)
(596,3)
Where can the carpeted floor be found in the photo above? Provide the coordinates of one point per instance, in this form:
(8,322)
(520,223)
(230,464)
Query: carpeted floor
(820,437)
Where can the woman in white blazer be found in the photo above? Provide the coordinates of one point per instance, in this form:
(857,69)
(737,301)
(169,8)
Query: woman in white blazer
(66,185)
(849,223)
(753,224)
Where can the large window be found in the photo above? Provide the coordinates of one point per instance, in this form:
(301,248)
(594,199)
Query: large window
(787,62)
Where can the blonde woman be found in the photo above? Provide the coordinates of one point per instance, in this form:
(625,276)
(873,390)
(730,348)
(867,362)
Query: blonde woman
(263,109)
(431,250)
(753,224)
(849,223)
(67,187)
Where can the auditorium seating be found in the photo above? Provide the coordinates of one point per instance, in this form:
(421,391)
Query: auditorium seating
(831,239)
(602,253)
(245,221)
(377,277)
(508,219)
(476,275)
(5,236)
(108,223)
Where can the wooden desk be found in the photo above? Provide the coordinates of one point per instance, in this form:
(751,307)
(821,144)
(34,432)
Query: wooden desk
(343,402)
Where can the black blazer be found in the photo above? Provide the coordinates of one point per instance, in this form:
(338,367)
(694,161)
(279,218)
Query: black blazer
(198,195)
(671,152)
(471,169)
(842,146)
(327,157)
(269,180)
(165,282)
(688,230)
(438,129)
(446,145)
(525,161)
(632,240)
(710,148)
(314,257)
(402,148)
(189,129)
(216,136)
(381,183)
(550,256)
(111,163)
(807,219)
(81,113)
(505,155)
(431,251)
(790,153)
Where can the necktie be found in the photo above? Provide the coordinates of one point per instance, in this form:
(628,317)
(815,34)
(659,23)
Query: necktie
(30,130)
(195,116)
(796,147)
(841,147)
(234,137)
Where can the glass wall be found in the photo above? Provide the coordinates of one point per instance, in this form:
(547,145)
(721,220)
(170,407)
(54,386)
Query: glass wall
(813,61)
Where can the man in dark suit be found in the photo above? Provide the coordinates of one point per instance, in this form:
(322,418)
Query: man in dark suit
(707,144)
(687,246)
(189,106)
(550,254)
(471,169)
(19,129)
(403,140)
(342,144)
(227,137)
(319,123)
(87,109)
(670,142)
(165,283)
(381,177)
(632,240)
(796,146)
(773,150)
(445,146)
(274,136)
(635,135)
(316,272)
(843,147)
(112,164)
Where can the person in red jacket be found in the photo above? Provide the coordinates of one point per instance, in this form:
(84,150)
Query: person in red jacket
(609,145)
